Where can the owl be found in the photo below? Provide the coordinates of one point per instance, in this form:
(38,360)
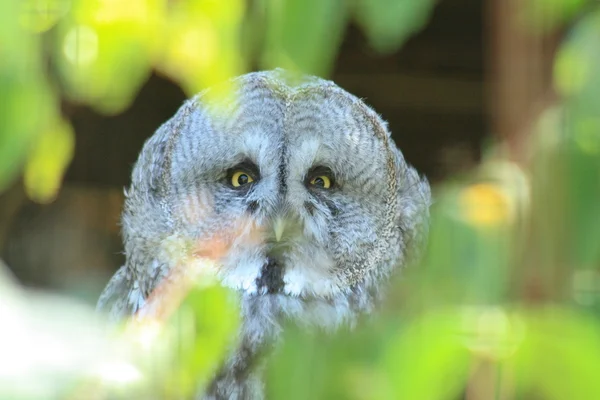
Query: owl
(296,190)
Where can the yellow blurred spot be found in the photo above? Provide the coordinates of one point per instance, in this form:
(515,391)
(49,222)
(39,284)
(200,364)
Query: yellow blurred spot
(485,204)
(197,46)
(117,10)
(571,71)
(202,44)
(80,45)
(587,135)
(41,15)
(47,161)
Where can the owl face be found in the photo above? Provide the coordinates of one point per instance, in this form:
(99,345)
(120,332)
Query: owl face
(295,190)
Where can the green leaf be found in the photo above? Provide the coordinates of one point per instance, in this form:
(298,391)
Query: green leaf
(388,23)
(303,35)
(429,359)
(576,79)
(426,359)
(202,43)
(469,250)
(199,334)
(47,161)
(27,102)
(559,355)
(41,15)
(104,50)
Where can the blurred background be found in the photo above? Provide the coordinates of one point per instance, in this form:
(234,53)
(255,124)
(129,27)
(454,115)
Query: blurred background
(497,102)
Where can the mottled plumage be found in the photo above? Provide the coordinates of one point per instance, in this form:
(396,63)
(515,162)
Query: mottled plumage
(293,247)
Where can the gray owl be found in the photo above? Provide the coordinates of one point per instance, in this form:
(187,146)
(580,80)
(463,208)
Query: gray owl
(303,182)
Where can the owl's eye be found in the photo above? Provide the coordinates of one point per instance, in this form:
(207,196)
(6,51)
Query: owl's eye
(320,177)
(242,175)
(241,178)
(321,181)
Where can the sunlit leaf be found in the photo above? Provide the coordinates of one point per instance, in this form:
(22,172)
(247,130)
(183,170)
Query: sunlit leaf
(47,161)
(205,326)
(41,15)
(469,246)
(388,23)
(428,360)
(27,101)
(557,358)
(303,35)
(304,368)
(105,49)
(575,78)
(202,43)
(424,358)
(185,329)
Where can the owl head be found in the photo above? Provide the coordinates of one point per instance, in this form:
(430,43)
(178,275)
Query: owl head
(293,187)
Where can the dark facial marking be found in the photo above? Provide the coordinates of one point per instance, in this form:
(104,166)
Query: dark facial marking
(332,207)
(282,175)
(310,207)
(271,277)
(252,206)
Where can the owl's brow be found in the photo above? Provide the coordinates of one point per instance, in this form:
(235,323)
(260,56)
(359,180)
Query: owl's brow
(246,165)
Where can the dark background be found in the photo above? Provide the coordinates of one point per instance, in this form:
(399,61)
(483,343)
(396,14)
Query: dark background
(431,92)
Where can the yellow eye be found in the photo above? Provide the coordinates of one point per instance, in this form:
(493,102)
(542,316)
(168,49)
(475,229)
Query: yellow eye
(240,178)
(321,181)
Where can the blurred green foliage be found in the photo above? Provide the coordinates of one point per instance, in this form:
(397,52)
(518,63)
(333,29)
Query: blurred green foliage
(100,52)
(504,304)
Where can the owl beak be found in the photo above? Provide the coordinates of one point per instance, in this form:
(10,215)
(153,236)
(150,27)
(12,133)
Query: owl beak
(278,227)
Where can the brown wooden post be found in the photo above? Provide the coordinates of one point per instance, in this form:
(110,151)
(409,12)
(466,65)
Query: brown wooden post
(519,65)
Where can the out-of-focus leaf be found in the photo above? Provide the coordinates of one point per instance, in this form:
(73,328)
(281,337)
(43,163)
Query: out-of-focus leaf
(428,360)
(305,367)
(47,161)
(558,357)
(577,80)
(41,15)
(202,331)
(544,15)
(344,365)
(388,23)
(185,329)
(469,246)
(105,48)
(27,101)
(574,75)
(202,43)
(303,35)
